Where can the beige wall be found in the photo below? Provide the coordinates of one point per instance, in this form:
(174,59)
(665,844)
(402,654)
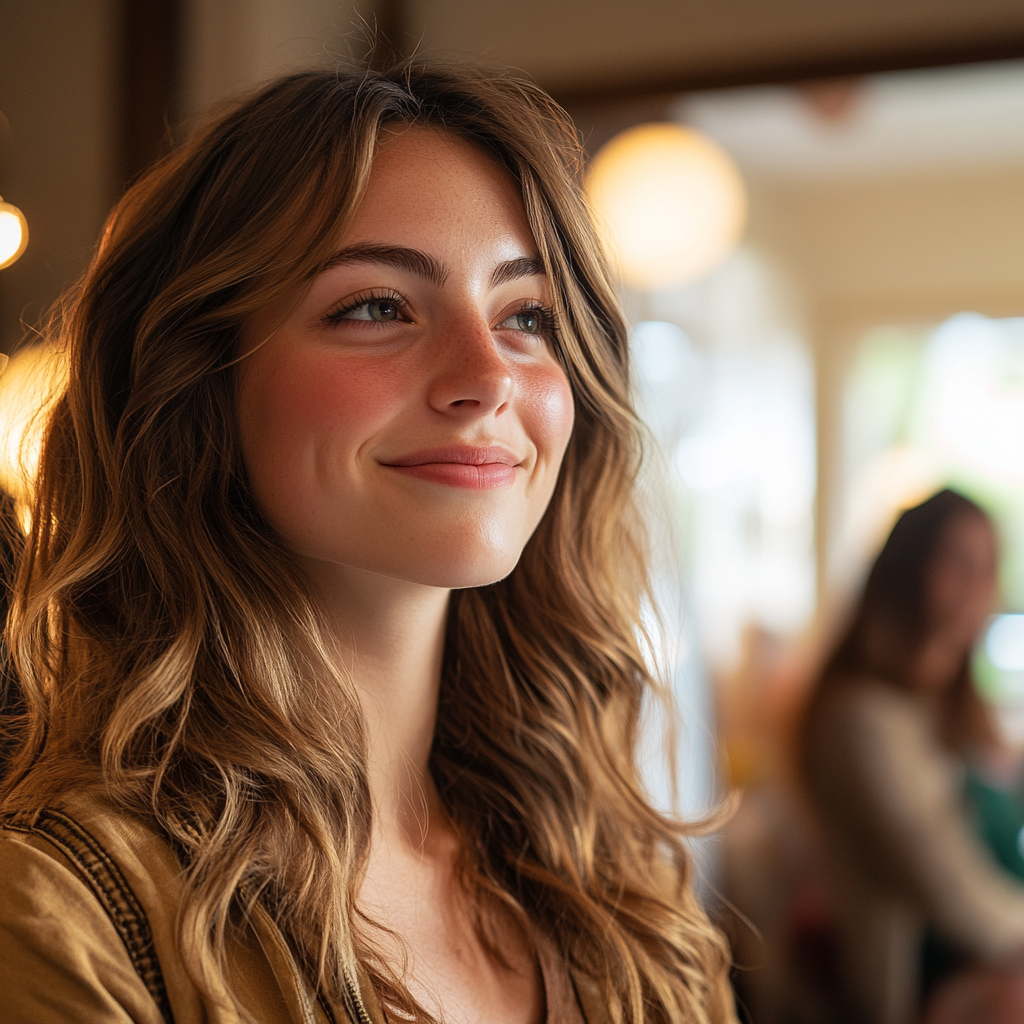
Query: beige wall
(925,242)
(58,88)
(231,45)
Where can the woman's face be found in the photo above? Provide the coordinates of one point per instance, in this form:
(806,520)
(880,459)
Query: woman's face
(961,580)
(407,415)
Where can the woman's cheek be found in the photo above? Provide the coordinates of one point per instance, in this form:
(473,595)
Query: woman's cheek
(340,396)
(551,411)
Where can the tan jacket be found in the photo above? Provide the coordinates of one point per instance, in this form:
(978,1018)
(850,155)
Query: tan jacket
(902,854)
(88,903)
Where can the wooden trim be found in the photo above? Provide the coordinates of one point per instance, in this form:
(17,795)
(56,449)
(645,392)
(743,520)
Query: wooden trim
(150,51)
(390,35)
(791,69)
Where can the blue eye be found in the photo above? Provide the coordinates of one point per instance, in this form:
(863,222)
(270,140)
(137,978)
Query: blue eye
(380,311)
(529,321)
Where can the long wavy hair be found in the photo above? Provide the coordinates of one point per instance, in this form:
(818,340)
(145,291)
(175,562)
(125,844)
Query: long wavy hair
(891,623)
(167,646)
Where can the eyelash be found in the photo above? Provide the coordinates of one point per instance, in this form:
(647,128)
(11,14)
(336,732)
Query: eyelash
(546,315)
(337,316)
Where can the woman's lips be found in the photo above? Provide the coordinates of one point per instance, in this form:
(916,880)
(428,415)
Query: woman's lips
(473,467)
(455,474)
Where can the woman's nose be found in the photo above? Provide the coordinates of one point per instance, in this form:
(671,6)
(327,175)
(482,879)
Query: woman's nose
(471,375)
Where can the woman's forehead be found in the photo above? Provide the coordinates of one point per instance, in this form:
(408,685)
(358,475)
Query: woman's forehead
(420,159)
(431,190)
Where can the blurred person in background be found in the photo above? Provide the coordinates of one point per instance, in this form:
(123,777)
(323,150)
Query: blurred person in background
(930,926)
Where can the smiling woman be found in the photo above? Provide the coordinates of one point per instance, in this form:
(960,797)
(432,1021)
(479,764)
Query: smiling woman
(327,625)
(416,371)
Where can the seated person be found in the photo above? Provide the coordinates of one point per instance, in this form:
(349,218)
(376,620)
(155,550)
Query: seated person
(889,730)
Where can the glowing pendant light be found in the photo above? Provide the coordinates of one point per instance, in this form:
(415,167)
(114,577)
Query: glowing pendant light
(671,203)
(13,233)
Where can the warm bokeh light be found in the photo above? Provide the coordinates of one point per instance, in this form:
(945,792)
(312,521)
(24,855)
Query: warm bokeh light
(671,201)
(13,233)
(34,377)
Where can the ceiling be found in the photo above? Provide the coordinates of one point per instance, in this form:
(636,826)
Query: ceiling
(583,50)
(933,121)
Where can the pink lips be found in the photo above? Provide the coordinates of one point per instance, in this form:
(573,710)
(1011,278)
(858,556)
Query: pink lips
(477,467)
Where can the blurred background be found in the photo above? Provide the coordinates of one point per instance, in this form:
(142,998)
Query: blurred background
(827,310)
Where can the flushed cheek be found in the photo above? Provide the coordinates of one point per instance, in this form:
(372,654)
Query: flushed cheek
(341,401)
(548,412)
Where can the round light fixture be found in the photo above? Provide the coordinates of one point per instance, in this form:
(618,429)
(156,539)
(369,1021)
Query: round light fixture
(13,233)
(670,202)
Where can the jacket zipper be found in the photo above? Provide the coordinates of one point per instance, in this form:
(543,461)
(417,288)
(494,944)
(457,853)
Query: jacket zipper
(357,1002)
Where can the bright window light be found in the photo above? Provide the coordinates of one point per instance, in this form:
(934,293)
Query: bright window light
(731,402)
(1004,643)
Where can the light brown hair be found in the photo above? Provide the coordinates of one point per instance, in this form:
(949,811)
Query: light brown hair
(166,643)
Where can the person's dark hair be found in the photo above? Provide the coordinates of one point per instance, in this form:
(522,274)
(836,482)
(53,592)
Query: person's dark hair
(891,620)
(166,642)
(896,585)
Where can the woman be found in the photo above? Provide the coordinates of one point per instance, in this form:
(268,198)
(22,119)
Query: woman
(327,622)
(894,720)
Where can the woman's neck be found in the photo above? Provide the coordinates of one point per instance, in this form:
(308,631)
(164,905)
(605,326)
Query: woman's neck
(391,639)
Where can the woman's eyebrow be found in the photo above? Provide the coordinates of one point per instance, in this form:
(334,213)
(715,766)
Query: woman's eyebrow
(399,256)
(512,270)
(423,265)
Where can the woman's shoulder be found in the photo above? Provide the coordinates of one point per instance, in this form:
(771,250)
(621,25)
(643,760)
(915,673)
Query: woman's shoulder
(122,859)
(90,897)
(85,825)
(75,943)
(862,727)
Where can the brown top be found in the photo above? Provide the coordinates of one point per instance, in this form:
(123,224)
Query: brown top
(562,1003)
(88,906)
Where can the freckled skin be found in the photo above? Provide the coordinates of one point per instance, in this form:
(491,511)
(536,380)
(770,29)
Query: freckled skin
(325,408)
(343,386)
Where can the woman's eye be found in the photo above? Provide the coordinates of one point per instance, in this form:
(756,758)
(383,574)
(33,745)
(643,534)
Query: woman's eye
(529,321)
(380,311)
(370,309)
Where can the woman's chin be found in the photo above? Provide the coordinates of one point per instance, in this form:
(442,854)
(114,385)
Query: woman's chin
(462,574)
(455,570)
